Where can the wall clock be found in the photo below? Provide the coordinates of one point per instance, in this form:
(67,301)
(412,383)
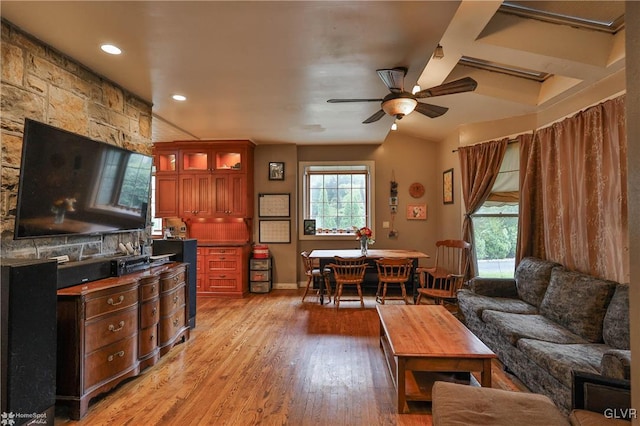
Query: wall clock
(416,190)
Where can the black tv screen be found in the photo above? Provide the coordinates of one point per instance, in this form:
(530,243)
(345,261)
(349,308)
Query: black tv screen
(70,184)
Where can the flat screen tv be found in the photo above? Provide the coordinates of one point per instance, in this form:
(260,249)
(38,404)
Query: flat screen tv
(70,184)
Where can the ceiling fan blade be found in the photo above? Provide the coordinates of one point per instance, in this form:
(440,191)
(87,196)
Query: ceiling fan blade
(431,111)
(466,84)
(375,117)
(393,79)
(337,101)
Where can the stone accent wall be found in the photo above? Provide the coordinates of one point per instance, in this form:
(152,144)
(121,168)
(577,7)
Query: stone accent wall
(40,83)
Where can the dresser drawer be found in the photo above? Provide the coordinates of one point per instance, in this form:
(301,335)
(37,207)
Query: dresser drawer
(147,341)
(110,329)
(222,252)
(111,302)
(109,361)
(171,325)
(171,301)
(172,280)
(149,313)
(149,288)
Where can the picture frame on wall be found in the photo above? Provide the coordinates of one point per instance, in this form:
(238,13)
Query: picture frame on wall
(276,170)
(447,187)
(416,211)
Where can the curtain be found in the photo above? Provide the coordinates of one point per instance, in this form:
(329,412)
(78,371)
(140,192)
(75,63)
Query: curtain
(479,166)
(574,195)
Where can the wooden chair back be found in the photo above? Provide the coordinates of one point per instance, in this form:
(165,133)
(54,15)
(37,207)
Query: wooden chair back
(307,262)
(394,270)
(447,276)
(349,270)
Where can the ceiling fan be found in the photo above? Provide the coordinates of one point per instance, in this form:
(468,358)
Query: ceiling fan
(400,103)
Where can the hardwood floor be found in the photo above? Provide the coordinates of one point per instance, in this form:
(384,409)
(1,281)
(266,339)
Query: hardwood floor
(269,359)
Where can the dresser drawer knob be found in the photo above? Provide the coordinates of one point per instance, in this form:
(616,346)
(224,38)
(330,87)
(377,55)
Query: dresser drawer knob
(119,354)
(111,302)
(153,312)
(175,299)
(176,322)
(113,327)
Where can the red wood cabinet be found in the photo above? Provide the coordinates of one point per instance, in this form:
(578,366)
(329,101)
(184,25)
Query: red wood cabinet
(223,271)
(204,179)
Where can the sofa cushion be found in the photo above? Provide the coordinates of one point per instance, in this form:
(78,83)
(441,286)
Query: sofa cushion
(518,326)
(561,359)
(578,302)
(532,278)
(468,301)
(455,404)
(615,328)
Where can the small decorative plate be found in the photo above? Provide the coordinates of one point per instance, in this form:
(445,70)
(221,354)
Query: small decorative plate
(416,190)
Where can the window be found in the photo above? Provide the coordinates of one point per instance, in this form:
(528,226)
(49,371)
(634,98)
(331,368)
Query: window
(337,196)
(156,222)
(495,224)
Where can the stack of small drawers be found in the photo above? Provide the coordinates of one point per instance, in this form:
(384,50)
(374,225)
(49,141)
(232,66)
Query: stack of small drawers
(260,275)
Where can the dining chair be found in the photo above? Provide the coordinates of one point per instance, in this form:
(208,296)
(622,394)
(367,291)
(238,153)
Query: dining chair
(348,271)
(442,281)
(393,271)
(316,275)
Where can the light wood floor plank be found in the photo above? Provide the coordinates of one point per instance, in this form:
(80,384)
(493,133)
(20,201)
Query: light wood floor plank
(269,359)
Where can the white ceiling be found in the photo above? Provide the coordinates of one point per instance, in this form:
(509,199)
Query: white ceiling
(263,70)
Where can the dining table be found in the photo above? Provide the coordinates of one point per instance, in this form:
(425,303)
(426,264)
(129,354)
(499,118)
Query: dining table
(326,256)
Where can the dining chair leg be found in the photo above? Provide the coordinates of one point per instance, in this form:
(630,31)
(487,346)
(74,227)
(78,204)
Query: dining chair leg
(306,290)
(378,293)
(336,298)
(327,286)
(360,294)
(404,293)
(418,299)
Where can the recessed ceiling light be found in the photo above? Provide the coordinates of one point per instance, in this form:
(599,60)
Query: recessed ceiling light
(111,49)
(179,98)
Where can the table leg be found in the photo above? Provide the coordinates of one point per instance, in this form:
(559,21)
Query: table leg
(401,386)
(485,376)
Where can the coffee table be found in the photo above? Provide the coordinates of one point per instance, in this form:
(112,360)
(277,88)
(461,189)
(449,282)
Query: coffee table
(426,343)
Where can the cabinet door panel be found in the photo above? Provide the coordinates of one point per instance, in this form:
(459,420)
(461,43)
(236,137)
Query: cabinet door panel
(195,193)
(166,196)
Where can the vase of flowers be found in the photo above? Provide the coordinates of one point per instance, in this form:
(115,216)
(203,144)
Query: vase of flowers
(365,236)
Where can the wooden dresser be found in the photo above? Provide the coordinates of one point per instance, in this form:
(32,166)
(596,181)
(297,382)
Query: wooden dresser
(111,329)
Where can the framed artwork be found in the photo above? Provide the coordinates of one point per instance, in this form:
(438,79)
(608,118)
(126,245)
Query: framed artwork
(276,170)
(393,201)
(275,231)
(273,205)
(309,227)
(447,187)
(417,211)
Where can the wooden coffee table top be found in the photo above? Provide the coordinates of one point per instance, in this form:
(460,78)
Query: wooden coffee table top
(429,331)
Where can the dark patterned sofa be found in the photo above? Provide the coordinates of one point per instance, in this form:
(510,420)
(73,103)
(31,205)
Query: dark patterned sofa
(549,321)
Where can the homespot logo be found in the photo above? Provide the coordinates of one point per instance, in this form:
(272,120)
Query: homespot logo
(621,413)
(9,419)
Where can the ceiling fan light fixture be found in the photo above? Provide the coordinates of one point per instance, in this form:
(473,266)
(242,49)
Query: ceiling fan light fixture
(416,89)
(394,126)
(399,107)
(439,52)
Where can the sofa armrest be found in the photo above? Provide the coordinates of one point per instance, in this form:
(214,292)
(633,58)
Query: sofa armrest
(616,363)
(600,394)
(494,287)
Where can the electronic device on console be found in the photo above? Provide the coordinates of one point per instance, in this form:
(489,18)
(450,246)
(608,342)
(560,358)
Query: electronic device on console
(129,264)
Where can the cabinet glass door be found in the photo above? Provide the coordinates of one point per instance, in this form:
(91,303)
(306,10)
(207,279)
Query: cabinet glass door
(195,161)
(228,160)
(166,162)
